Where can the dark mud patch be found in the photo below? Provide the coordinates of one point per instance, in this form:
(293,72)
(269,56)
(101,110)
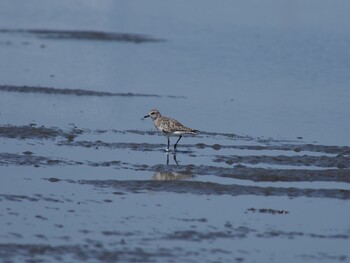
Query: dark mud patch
(339,161)
(267,211)
(114,164)
(75,92)
(11,159)
(197,236)
(83,35)
(54,180)
(243,232)
(144,147)
(208,188)
(200,220)
(322,256)
(33,132)
(34,198)
(233,136)
(340,150)
(92,251)
(294,234)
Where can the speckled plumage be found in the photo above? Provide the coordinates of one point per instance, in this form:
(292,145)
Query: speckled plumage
(169,126)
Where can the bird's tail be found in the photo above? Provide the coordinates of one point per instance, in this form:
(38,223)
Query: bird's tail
(194,131)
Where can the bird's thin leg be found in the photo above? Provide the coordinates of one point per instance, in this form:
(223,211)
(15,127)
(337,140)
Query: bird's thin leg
(167,159)
(177,142)
(168,148)
(175,159)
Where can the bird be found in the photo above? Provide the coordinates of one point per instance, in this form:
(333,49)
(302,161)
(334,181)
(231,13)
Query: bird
(169,127)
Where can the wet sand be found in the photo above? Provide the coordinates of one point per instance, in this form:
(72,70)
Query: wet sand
(123,210)
(82,35)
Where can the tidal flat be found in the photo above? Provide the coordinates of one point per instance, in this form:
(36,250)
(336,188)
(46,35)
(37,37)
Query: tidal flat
(84,178)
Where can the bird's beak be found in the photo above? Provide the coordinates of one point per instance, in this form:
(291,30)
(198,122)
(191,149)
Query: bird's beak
(146,116)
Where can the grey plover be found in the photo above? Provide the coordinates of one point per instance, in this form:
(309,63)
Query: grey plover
(169,127)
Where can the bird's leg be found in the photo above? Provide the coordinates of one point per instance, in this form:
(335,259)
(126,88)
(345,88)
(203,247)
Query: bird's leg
(177,142)
(168,148)
(175,159)
(167,158)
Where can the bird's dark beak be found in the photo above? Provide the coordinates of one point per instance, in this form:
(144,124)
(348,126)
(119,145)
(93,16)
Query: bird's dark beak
(146,116)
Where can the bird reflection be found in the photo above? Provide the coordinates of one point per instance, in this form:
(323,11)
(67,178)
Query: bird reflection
(171,176)
(174,157)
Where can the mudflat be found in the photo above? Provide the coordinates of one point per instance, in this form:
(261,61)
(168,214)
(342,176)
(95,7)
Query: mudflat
(83,178)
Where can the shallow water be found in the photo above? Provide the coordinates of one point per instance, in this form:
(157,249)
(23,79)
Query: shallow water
(85,178)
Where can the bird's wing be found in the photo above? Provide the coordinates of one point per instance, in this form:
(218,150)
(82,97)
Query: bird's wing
(172,125)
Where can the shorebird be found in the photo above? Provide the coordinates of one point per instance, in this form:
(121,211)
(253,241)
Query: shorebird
(169,127)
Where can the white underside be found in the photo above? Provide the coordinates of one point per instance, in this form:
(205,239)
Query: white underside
(176,134)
